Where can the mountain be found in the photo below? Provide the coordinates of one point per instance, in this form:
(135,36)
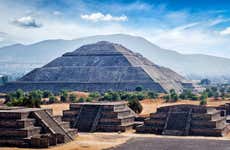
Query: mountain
(101,66)
(193,66)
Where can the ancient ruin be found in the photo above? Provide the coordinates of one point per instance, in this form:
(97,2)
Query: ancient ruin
(104,116)
(99,67)
(32,127)
(184,120)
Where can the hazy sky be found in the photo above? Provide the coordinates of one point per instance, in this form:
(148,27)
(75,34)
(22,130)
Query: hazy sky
(188,26)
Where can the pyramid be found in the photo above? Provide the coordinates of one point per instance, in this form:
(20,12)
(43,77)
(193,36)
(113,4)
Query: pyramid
(99,67)
(186,120)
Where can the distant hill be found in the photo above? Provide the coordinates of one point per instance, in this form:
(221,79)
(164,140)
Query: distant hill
(193,66)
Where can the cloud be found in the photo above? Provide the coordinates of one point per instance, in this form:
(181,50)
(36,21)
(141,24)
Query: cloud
(57,13)
(95,17)
(27,22)
(225,31)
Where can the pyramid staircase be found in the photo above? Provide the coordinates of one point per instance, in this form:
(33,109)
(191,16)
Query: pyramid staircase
(104,116)
(33,127)
(183,120)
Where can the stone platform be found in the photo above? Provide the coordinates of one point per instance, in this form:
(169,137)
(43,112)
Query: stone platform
(184,120)
(105,116)
(32,127)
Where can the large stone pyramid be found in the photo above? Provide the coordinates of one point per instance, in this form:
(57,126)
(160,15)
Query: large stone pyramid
(99,67)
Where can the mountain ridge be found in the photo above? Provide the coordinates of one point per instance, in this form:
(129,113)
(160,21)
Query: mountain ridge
(201,65)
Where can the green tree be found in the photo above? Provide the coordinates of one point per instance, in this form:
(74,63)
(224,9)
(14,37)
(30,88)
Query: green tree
(135,105)
(47,94)
(73,98)
(64,96)
(139,88)
(203,98)
(81,100)
(94,95)
(152,95)
(52,99)
(173,95)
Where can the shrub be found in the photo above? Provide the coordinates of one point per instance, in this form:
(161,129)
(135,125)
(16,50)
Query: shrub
(112,96)
(203,102)
(46,94)
(81,100)
(94,95)
(139,88)
(89,99)
(203,98)
(152,95)
(135,105)
(52,99)
(64,96)
(73,98)
(140,96)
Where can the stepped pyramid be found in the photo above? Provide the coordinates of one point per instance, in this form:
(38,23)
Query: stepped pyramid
(100,116)
(186,120)
(99,67)
(32,127)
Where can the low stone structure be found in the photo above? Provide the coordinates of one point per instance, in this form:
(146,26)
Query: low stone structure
(183,120)
(32,127)
(105,116)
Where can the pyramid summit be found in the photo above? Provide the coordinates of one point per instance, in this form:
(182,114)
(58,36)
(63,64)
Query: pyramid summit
(101,66)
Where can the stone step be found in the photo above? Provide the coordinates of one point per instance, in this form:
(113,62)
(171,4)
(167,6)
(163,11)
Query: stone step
(19,133)
(174,132)
(22,123)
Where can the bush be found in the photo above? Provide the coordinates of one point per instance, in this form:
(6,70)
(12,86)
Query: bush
(152,95)
(89,99)
(140,96)
(203,102)
(203,98)
(194,97)
(173,95)
(81,100)
(73,98)
(46,94)
(139,88)
(135,105)
(64,96)
(52,99)
(112,96)
(94,95)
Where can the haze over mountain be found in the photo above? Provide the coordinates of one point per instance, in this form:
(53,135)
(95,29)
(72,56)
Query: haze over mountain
(20,58)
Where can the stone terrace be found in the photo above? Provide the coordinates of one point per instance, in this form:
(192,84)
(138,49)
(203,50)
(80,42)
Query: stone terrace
(106,116)
(186,120)
(32,127)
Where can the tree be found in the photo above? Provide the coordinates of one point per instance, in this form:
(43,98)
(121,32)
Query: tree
(205,82)
(152,95)
(173,95)
(203,98)
(64,96)
(94,95)
(139,88)
(81,100)
(73,98)
(140,96)
(52,99)
(135,105)
(47,94)
(112,96)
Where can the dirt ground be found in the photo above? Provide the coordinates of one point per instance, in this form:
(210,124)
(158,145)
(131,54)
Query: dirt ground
(88,141)
(100,141)
(149,105)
